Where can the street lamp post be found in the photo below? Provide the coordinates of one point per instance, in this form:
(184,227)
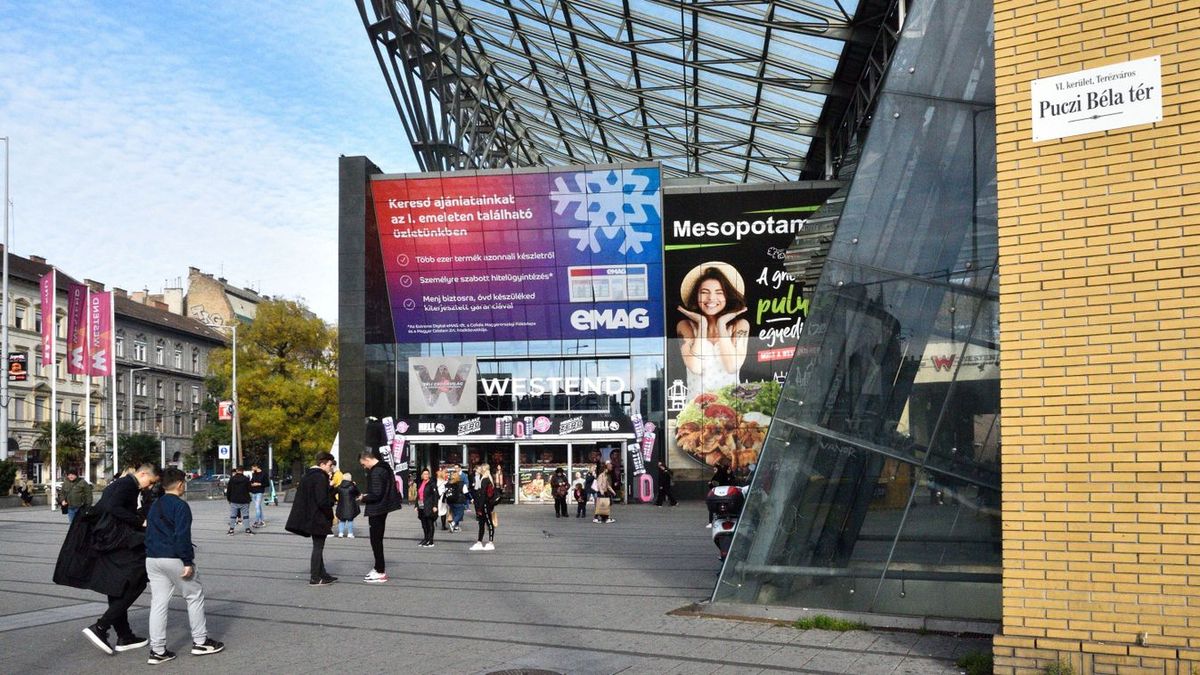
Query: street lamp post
(236,432)
(4,321)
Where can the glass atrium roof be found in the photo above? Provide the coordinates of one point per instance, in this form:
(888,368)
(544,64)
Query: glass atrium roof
(731,90)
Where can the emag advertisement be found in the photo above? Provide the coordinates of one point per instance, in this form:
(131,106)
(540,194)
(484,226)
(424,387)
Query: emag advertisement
(524,254)
(733,318)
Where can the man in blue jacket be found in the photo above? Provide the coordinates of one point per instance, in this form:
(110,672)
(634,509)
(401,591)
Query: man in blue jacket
(171,566)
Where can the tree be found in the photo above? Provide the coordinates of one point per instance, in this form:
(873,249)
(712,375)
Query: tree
(71,438)
(287,382)
(140,448)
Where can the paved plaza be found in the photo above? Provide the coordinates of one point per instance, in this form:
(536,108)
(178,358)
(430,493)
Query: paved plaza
(566,595)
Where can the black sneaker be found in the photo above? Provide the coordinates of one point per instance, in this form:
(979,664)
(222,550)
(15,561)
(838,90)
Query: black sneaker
(230,532)
(249,531)
(98,637)
(329,578)
(131,642)
(319,582)
(209,646)
(156,658)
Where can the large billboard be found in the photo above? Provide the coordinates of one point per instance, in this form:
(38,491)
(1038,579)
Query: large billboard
(733,318)
(523,254)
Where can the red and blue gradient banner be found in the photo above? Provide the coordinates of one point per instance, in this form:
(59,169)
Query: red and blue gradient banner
(562,253)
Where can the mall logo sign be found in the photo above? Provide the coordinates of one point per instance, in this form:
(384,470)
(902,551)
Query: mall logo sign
(431,428)
(606,425)
(595,319)
(433,389)
(570,426)
(470,427)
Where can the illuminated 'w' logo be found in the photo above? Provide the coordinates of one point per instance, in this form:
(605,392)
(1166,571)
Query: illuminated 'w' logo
(100,362)
(942,362)
(77,358)
(440,383)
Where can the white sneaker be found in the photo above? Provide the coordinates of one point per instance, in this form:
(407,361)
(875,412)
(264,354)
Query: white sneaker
(709,526)
(477,546)
(595,520)
(489,546)
(373,575)
(612,520)
(350,536)
(340,535)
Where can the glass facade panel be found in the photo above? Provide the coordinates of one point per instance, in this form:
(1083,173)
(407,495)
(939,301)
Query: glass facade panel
(878,486)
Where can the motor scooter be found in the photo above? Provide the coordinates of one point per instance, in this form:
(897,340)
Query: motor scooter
(725,504)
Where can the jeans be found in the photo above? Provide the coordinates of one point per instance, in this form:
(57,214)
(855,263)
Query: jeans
(377,524)
(164,581)
(456,513)
(236,510)
(71,511)
(257,499)
(345,527)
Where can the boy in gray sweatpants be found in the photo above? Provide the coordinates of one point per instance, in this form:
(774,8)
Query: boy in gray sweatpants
(171,566)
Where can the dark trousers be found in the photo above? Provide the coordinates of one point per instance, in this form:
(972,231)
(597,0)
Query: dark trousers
(117,614)
(665,491)
(560,506)
(316,563)
(581,509)
(486,521)
(427,530)
(377,524)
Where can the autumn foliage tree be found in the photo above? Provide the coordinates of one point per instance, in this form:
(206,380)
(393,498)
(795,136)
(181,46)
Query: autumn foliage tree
(287,382)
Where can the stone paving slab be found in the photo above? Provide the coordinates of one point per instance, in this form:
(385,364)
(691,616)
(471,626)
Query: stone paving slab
(563,595)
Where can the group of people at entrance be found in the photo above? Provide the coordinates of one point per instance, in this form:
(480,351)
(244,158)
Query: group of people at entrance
(441,498)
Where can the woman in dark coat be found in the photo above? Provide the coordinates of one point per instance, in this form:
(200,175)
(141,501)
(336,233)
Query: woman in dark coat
(312,516)
(381,498)
(105,552)
(485,496)
(347,506)
(427,509)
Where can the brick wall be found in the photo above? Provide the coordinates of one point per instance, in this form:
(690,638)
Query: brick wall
(1100,335)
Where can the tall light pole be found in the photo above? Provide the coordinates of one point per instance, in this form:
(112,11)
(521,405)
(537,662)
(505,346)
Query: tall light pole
(4,320)
(236,435)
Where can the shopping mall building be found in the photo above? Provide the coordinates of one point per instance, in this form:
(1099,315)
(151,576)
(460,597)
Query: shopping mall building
(944,254)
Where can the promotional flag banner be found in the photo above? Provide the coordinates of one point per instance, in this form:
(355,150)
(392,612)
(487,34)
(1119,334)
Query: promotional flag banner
(48,289)
(100,336)
(77,343)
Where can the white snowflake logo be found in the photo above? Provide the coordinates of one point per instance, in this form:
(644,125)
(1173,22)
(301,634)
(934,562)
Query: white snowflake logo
(612,202)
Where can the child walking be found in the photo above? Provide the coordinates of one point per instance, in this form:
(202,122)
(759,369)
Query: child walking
(347,506)
(580,501)
(171,566)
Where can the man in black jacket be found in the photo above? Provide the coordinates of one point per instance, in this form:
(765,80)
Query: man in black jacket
(312,515)
(380,499)
(119,571)
(258,484)
(238,495)
(664,485)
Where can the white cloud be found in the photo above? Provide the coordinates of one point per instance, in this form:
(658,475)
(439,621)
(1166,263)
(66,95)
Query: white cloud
(132,160)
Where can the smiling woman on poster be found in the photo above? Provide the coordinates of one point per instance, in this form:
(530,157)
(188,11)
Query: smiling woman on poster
(713,332)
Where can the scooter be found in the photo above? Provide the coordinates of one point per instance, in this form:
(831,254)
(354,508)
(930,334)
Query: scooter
(725,504)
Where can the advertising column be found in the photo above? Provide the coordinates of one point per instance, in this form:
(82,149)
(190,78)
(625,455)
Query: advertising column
(733,318)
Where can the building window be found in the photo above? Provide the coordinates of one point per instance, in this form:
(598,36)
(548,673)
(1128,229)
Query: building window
(38,369)
(158,422)
(19,317)
(160,354)
(139,385)
(158,389)
(139,420)
(18,413)
(178,393)
(120,346)
(195,360)
(139,350)
(195,424)
(178,424)
(74,411)
(179,356)
(59,370)
(120,385)
(37,322)
(195,395)
(39,409)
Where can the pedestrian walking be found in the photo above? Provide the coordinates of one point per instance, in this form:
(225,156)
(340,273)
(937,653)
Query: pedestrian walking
(237,493)
(559,487)
(664,486)
(456,498)
(604,495)
(427,500)
(171,566)
(105,551)
(76,494)
(443,479)
(258,485)
(485,495)
(312,516)
(347,506)
(381,498)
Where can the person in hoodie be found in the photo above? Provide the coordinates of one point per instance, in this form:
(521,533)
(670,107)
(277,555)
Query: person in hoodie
(381,498)
(171,566)
(237,493)
(258,486)
(347,506)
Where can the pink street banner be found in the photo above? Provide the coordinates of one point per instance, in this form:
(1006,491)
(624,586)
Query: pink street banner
(100,339)
(77,343)
(49,291)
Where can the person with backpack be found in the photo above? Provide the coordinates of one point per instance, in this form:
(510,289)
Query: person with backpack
(559,487)
(381,498)
(485,495)
(456,498)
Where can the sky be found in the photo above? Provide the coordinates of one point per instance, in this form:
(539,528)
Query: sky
(148,137)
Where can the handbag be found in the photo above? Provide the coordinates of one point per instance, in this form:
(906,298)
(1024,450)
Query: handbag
(603,506)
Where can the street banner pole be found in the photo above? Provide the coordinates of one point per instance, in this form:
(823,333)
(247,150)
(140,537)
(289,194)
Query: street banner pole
(112,362)
(87,389)
(49,357)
